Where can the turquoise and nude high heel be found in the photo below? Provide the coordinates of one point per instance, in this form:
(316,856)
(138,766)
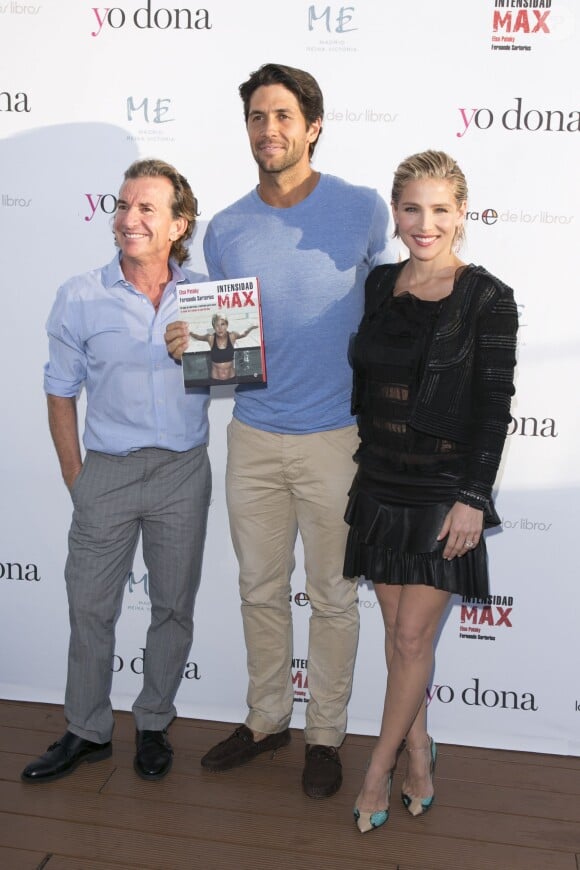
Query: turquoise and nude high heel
(416,805)
(368,821)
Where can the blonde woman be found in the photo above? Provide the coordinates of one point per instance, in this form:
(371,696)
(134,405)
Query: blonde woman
(433,364)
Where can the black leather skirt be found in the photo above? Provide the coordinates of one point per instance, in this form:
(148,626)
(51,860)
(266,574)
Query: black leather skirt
(393,536)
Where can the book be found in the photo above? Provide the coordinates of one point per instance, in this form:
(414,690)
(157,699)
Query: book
(226,342)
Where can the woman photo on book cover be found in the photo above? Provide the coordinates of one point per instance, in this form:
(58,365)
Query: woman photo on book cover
(433,363)
(221,343)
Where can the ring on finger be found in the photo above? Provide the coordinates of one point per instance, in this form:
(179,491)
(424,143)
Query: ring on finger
(470,544)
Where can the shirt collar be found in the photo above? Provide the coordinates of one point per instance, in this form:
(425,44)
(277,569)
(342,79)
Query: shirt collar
(113,274)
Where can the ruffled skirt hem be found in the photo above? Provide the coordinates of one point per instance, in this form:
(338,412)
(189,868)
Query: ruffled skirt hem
(398,544)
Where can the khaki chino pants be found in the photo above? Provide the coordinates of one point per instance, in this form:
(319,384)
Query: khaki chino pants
(278,485)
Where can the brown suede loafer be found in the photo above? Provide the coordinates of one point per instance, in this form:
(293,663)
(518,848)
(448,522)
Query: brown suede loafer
(322,775)
(240,747)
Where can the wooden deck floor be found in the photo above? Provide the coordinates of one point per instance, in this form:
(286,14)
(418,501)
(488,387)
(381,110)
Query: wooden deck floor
(494,810)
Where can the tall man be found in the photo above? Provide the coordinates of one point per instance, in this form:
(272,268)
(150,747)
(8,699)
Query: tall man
(311,239)
(146,469)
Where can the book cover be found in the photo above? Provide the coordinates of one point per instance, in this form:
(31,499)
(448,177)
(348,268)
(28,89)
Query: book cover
(226,343)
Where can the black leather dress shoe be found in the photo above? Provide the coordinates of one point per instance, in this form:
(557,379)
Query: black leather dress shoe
(154,754)
(64,756)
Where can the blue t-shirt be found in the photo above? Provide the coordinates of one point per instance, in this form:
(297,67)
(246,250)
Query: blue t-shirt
(312,261)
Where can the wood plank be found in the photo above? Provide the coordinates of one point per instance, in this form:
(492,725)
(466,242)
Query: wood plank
(200,734)
(116,847)
(156,814)
(20,859)
(63,862)
(532,772)
(310,849)
(231,791)
(494,809)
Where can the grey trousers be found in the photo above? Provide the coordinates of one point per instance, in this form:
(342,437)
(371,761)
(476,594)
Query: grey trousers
(165,496)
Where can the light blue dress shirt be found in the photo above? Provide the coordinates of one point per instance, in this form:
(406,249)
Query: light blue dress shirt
(106,336)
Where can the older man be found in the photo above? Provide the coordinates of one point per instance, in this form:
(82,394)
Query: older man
(146,469)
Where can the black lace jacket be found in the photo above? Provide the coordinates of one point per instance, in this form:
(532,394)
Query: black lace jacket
(468,381)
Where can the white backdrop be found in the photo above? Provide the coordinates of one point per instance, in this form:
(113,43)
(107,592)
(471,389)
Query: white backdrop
(85,90)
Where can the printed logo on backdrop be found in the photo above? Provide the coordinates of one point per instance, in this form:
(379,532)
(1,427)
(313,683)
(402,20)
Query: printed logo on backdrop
(21,9)
(518,25)
(138,593)
(99,204)
(14,101)
(479,694)
(522,26)
(300,680)
(10,200)
(533,427)
(525,524)
(19,571)
(149,16)
(106,204)
(356,115)
(149,114)
(485,618)
(490,217)
(522,321)
(135,665)
(487,216)
(366,604)
(301,599)
(523,117)
(332,28)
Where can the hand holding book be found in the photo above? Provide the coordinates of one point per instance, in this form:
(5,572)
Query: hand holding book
(213,340)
